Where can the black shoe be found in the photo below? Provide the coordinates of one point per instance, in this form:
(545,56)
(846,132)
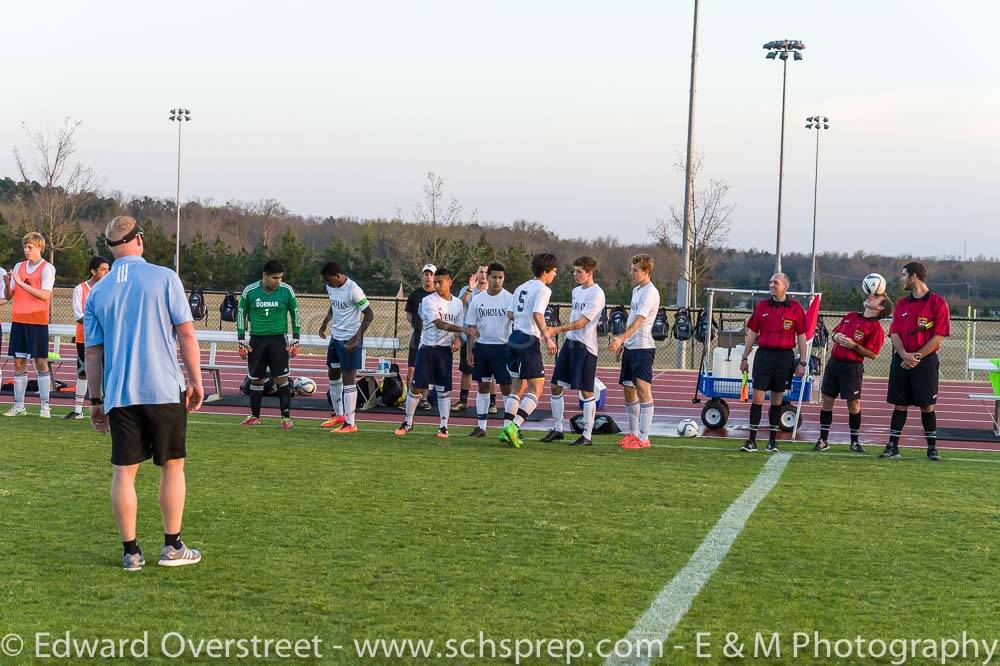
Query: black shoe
(424,406)
(890,451)
(581,441)
(77,416)
(857,448)
(553,435)
(772,447)
(749,447)
(459,406)
(932,454)
(821,445)
(478,432)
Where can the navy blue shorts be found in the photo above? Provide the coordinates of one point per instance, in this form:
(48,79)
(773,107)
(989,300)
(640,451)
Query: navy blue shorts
(575,367)
(28,340)
(433,368)
(524,356)
(637,364)
(338,357)
(491,362)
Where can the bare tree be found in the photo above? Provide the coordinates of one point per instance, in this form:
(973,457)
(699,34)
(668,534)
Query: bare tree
(438,217)
(711,225)
(58,189)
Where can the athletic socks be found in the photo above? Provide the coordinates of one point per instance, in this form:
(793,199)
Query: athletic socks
(632,412)
(350,402)
(773,418)
(412,400)
(336,396)
(825,419)
(172,540)
(256,397)
(929,421)
(285,399)
(528,403)
(755,413)
(558,403)
(20,387)
(463,396)
(81,393)
(44,387)
(131,547)
(854,420)
(483,409)
(896,426)
(493,399)
(645,420)
(589,412)
(444,406)
(510,406)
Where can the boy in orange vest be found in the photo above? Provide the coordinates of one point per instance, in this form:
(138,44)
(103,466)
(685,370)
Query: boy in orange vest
(98,269)
(29,287)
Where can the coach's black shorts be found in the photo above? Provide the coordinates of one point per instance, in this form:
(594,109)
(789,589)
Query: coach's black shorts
(491,362)
(575,368)
(463,365)
(268,357)
(411,354)
(843,379)
(81,360)
(773,369)
(524,356)
(141,432)
(636,364)
(433,368)
(916,386)
(28,340)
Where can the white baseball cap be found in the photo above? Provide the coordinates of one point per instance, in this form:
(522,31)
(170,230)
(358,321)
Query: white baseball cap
(429,267)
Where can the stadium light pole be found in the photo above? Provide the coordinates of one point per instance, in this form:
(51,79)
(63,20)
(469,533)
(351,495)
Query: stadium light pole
(817,123)
(781,49)
(684,279)
(179,115)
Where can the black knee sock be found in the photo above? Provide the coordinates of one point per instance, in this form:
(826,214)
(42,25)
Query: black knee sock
(463,395)
(774,418)
(825,419)
(172,540)
(285,399)
(131,547)
(755,412)
(493,399)
(929,419)
(854,420)
(256,397)
(896,426)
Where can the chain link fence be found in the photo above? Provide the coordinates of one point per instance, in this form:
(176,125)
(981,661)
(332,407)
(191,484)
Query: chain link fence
(970,337)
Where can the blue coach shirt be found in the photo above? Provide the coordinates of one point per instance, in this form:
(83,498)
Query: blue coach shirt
(132,312)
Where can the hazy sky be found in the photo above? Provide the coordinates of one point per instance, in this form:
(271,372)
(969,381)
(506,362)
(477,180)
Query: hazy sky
(570,113)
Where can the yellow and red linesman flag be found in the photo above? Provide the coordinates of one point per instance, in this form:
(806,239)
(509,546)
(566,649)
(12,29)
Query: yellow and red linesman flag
(812,316)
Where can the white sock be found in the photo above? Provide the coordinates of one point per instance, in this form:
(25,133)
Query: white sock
(44,387)
(412,400)
(528,403)
(589,412)
(482,409)
(81,393)
(510,406)
(444,406)
(20,386)
(632,411)
(337,396)
(350,402)
(645,420)
(558,409)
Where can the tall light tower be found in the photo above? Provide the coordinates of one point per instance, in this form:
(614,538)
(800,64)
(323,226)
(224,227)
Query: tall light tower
(781,49)
(684,277)
(817,123)
(179,115)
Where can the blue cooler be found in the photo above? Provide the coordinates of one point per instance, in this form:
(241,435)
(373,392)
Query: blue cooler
(600,392)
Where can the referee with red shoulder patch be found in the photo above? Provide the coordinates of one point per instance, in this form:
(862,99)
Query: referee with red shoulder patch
(857,337)
(921,322)
(777,324)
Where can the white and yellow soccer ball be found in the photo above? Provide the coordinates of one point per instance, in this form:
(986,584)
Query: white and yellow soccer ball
(687,428)
(873,283)
(304,386)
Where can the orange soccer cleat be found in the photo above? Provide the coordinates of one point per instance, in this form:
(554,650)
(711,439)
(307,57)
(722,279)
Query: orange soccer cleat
(333,422)
(345,429)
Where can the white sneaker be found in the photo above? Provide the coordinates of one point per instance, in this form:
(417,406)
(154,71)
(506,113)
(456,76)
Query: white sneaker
(44,412)
(16,411)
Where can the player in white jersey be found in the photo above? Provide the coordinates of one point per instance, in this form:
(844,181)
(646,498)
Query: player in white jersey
(524,354)
(443,316)
(576,365)
(639,350)
(98,268)
(477,285)
(351,316)
(487,313)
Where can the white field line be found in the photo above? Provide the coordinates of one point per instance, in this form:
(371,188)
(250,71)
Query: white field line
(674,600)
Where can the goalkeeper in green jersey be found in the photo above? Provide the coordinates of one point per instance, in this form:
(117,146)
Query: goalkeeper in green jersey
(265,308)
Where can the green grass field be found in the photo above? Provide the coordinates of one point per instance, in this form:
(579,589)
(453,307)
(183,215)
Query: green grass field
(366,537)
